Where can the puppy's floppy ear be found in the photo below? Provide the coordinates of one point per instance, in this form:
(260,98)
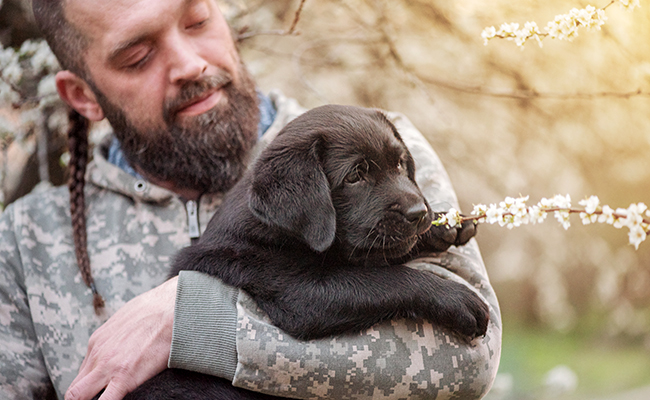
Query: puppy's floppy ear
(290,190)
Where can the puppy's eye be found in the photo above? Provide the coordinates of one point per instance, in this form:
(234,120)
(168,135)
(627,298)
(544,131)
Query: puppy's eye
(353,177)
(358,173)
(402,166)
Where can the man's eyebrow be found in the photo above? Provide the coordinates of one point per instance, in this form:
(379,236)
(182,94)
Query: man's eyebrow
(124,46)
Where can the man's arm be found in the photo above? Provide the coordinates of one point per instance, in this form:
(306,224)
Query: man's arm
(22,369)
(394,359)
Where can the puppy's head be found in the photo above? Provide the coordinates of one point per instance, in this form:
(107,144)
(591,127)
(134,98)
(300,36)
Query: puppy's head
(342,174)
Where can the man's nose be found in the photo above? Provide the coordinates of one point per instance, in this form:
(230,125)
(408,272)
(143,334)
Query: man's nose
(186,63)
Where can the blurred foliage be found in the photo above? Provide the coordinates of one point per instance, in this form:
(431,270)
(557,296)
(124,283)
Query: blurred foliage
(568,118)
(601,366)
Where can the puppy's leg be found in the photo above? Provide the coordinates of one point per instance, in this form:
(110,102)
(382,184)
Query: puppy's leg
(354,299)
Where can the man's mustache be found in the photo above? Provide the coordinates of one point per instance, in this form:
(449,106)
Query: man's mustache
(191,91)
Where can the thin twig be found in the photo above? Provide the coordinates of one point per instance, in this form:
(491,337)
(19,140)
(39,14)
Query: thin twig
(296,18)
(277,32)
(528,94)
(610,3)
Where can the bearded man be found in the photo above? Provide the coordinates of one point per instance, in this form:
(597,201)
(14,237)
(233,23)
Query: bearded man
(186,117)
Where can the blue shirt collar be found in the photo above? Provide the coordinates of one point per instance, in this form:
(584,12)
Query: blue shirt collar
(267,116)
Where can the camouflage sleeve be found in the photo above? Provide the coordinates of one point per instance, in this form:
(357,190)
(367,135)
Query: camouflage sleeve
(22,369)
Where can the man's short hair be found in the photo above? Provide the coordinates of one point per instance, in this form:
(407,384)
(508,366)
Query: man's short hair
(67,43)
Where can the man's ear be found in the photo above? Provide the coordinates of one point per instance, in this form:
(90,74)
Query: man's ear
(78,95)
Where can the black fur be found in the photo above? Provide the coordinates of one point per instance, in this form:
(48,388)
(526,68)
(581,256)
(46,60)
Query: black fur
(317,232)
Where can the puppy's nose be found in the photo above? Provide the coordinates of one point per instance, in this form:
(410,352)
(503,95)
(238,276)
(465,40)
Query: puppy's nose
(416,212)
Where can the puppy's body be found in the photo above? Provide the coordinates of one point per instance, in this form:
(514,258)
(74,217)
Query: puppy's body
(317,232)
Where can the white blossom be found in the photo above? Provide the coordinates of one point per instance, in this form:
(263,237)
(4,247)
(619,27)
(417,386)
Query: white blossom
(620,222)
(634,217)
(563,218)
(607,215)
(43,59)
(508,29)
(7,95)
(29,47)
(47,86)
(591,204)
(636,236)
(562,201)
(588,218)
(565,26)
(453,218)
(7,56)
(519,210)
(638,208)
(531,30)
(536,215)
(480,210)
(13,73)
(629,4)
(493,214)
(488,33)
(58,121)
(545,203)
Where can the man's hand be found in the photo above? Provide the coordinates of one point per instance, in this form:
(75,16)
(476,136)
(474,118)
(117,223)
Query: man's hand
(131,347)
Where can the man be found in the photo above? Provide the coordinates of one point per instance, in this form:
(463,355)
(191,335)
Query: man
(185,114)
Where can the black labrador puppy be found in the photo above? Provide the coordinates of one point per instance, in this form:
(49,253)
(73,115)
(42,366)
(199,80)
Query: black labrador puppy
(331,204)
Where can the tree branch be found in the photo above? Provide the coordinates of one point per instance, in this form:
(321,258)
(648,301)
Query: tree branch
(243,35)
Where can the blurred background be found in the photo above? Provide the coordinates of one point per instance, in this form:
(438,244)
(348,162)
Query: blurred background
(568,118)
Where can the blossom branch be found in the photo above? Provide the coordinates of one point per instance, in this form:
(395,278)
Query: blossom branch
(514,212)
(563,27)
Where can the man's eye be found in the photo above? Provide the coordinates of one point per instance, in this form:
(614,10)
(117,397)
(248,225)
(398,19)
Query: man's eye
(198,25)
(137,64)
(137,60)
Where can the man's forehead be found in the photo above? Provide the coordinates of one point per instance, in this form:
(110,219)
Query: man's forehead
(119,18)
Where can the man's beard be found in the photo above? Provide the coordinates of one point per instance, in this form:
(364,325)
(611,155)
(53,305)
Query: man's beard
(207,152)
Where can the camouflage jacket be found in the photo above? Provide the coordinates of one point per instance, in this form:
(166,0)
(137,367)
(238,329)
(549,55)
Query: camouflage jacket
(134,228)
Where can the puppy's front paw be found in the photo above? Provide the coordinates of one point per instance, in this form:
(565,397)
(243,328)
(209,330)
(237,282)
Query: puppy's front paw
(441,237)
(464,313)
